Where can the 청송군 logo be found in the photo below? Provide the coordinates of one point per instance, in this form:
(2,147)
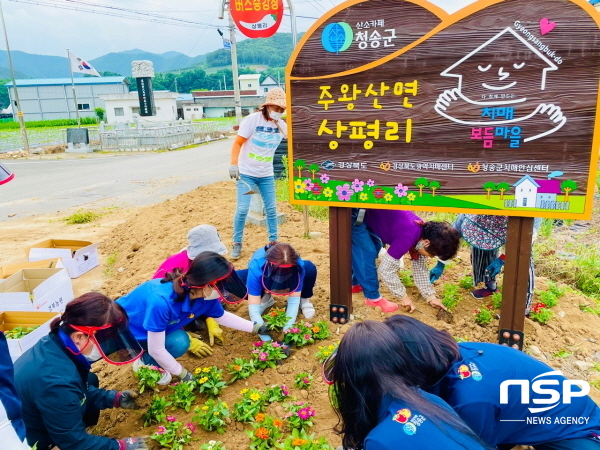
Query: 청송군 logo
(337,37)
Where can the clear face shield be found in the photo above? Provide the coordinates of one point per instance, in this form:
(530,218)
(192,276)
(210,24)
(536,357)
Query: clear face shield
(230,287)
(281,279)
(115,342)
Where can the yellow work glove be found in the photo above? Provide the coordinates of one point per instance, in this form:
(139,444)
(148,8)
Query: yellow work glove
(214,331)
(199,348)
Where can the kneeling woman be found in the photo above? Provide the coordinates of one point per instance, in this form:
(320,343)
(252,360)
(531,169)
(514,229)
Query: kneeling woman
(159,308)
(468,376)
(376,408)
(60,396)
(279,270)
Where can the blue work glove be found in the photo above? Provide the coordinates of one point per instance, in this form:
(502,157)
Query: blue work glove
(494,268)
(436,272)
(255,316)
(293,305)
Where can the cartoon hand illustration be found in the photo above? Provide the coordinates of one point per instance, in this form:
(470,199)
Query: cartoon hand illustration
(554,113)
(445,98)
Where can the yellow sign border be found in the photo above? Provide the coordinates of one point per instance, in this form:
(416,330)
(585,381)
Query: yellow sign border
(447,20)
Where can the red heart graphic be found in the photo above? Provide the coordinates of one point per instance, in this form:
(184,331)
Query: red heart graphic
(546,26)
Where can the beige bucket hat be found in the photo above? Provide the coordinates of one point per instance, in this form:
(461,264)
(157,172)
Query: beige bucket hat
(275,96)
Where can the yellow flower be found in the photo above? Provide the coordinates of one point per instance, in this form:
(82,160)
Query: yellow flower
(363,196)
(388,197)
(331,347)
(203,380)
(328,192)
(206,370)
(205,408)
(217,413)
(224,405)
(254,397)
(411,197)
(197,371)
(299,187)
(243,391)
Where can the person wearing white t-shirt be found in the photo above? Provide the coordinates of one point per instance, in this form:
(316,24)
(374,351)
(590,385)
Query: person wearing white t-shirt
(252,155)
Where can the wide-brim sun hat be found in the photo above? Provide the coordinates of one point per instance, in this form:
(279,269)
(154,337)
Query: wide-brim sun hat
(275,96)
(484,232)
(204,238)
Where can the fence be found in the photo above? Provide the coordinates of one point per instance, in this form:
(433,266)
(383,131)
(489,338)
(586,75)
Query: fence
(544,204)
(124,137)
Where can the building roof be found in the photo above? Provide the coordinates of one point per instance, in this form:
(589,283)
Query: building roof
(269,81)
(185,98)
(228,102)
(549,187)
(134,96)
(252,76)
(527,178)
(204,94)
(67,81)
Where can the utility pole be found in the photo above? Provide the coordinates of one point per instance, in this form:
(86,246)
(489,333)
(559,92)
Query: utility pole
(176,88)
(14,83)
(234,68)
(224,82)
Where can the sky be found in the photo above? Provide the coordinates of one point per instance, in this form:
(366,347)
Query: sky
(46,30)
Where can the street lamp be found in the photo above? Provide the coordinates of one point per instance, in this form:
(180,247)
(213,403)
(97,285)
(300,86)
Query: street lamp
(14,83)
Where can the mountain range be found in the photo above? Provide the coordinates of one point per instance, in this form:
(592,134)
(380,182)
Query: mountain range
(28,65)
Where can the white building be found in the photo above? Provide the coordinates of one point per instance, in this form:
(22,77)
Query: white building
(249,82)
(268,84)
(526,190)
(121,108)
(50,99)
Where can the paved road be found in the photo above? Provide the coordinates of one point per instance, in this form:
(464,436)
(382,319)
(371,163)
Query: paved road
(137,179)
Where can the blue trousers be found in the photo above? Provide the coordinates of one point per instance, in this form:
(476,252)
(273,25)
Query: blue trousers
(266,188)
(176,343)
(310,278)
(365,248)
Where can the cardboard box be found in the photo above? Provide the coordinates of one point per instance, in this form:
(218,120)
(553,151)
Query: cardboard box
(10,320)
(7,271)
(77,256)
(36,290)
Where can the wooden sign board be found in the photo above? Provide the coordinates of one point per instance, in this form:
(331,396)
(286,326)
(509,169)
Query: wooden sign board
(491,110)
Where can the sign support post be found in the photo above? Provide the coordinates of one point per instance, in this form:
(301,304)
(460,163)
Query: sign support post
(340,251)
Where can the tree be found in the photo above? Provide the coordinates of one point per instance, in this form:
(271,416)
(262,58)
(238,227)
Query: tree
(434,185)
(502,187)
(568,186)
(489,187)
(300,164)
(100,113)
(313,168)
(421,183)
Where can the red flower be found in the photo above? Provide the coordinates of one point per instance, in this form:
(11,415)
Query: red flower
(378,193)
(317,189)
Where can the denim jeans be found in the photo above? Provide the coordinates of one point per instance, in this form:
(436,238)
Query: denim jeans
(266,188)
(365,248)
(176,343)
(310,278)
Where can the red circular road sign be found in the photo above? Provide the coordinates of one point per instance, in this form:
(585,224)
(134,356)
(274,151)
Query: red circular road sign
(257,18)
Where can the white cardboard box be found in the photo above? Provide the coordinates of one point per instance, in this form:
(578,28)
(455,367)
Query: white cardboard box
(8,270)
(10,320)
(36,290)
(77,256)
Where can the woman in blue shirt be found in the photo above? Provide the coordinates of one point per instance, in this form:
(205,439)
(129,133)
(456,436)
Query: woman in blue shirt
(159,309)
(468,376)
(278,270)
(377,409)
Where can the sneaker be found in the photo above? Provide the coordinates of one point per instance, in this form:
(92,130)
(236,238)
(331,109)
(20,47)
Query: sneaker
(266,302)
(385,305)
(483,293)
(356,288)
(308,310)
(236,251)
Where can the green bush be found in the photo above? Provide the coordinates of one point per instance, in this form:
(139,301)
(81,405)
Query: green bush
(49,123)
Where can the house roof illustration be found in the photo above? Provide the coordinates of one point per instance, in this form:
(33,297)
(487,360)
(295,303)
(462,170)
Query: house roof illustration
(503,45)
(526,178)
(549,187)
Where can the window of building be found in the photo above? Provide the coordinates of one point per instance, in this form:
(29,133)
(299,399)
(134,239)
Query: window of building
(135,110)
(195,109)
(266,89)
(188,109)
(249,85)
(119,112)
(83,106)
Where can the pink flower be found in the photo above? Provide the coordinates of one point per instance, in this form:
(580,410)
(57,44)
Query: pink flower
(357,185)
(290,414)
(344,192)
(305,380)
(307,336)
(161,430)
(256,351)
(284,390)
(262,356)
(258,344)
(306,324)
(171,419)
(298,403)
(275,344)
(191,427)
(325,178)
(295,330)
(308,184)
(306,413)
(401,190)
(370,183)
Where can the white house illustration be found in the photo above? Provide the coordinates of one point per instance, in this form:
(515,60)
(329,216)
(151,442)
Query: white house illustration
(530,193)
(492,75)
